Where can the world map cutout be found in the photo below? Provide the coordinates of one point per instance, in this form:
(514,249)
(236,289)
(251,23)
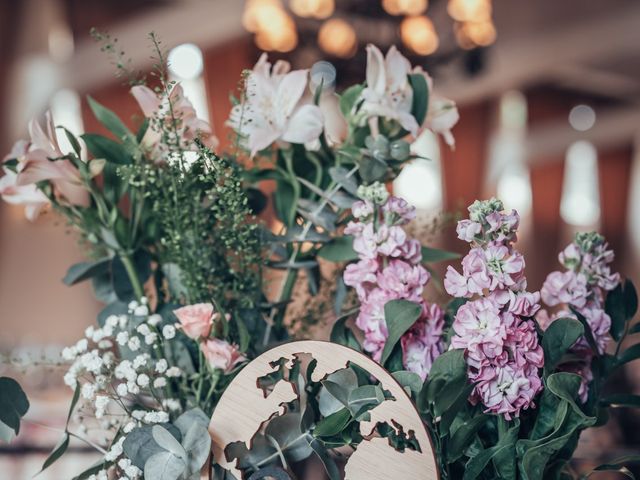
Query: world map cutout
(244,409)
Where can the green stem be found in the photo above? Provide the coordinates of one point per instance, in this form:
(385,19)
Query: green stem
(133,276)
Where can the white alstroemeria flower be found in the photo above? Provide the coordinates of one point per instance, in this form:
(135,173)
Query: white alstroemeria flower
(273,109)
(442,114)
(388,93)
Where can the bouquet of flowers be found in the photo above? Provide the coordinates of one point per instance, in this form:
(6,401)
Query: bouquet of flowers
(195,285)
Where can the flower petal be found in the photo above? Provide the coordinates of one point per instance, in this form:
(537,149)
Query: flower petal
(305,125)
(147,99)
(376,77)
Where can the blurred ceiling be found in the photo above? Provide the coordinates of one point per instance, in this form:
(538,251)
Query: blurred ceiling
(584,49)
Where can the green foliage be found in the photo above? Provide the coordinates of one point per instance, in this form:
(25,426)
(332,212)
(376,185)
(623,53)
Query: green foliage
(171,451)
(206,231)
(400,315)
(13,406)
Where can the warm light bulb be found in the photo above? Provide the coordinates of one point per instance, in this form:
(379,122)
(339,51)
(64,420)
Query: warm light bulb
(404,7)
(337,37)
(475,34)
(419,35)
(313,8)
(273,26)
(257,12)
(469,10)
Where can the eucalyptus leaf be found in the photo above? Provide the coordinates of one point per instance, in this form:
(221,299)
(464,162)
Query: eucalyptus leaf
(139,445)
(340,175)
(333,424)
(372,169)
(329,464)
(13,403)
(291,440)
(364,396)
(340,249)
(86,270)
(164,466)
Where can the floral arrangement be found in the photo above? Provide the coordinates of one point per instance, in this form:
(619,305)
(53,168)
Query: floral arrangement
(195,285)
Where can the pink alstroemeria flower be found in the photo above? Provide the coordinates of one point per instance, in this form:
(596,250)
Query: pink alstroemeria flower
(274,108)
(190,126)
(35,165)
(28,195)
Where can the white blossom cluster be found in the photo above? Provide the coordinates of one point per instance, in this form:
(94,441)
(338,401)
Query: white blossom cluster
(121,364)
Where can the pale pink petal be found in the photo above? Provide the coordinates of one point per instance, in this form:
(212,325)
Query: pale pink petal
(289,93)
(147,99)
(398,67)
(376,78)
(261,138)
(305,125)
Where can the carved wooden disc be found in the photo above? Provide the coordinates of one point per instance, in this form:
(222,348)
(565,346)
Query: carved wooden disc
(243,409)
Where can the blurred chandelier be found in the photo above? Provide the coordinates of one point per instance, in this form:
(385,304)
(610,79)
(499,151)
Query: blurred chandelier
(278,26)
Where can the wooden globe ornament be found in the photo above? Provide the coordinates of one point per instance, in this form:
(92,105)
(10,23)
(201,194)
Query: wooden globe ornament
(243,409)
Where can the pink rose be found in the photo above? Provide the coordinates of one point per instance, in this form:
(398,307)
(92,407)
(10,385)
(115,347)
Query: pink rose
(195,320)
(221,354)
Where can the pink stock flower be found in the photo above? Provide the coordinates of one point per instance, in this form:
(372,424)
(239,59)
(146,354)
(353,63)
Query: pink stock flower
(467,230)
(404,280)
(387,240)
(522,341)
(372,322)
(411,251)
(508,390)
(221,354)
(505,268)
(273,108)
(600,324)
(400,210)
(166,109)
(525,304)
(479,329)
(195,320)
(359,274)
(422,344)
(565,287)
(362,209)
(455,284)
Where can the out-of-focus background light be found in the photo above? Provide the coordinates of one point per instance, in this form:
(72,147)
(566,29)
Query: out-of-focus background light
(582,117)
(185,61)
(404,7)
(274,28)
(419,34)
(337,37)
(469,10)
(580,204)
(313,8)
